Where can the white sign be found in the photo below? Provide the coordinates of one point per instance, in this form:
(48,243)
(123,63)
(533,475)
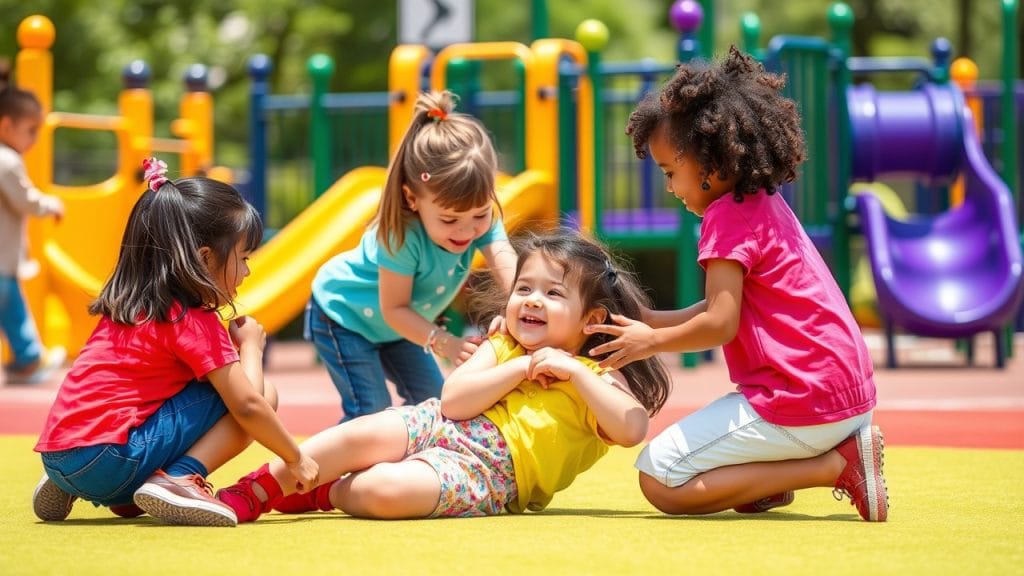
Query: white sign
(435,23)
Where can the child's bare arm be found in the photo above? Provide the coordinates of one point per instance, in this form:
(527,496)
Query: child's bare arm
(501,261)
(396,307)
(251,339)
(257,418)
(665,318)
(480,382)
(714,326)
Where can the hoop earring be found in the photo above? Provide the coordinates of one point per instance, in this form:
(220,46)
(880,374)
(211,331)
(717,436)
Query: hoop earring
(705,185)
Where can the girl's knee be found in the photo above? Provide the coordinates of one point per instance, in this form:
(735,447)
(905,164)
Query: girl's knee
(379,492)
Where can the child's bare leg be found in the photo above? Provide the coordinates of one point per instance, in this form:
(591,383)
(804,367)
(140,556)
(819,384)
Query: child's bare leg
(730,486)
(349,447)
(226,439)
(407,489)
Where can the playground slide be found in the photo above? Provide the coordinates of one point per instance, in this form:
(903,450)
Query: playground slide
(956,273)
(283,269)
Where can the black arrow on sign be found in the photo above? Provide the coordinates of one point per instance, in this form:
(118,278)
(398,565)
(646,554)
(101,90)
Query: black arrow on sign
(442,12)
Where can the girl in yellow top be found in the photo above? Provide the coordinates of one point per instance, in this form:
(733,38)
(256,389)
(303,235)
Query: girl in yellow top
(517,422)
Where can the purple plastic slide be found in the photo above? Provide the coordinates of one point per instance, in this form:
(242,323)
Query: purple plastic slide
(953,274)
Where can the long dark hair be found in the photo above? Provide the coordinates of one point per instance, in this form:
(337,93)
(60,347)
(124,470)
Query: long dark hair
(159,263)
(601,283)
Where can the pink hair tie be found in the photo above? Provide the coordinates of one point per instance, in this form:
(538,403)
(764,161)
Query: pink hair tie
(154,172)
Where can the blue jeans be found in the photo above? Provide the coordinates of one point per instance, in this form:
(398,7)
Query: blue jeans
(359,367)
(109,474)
(17,325)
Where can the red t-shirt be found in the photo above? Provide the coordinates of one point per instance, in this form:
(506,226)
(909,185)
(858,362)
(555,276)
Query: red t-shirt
(125,373)
(798,356)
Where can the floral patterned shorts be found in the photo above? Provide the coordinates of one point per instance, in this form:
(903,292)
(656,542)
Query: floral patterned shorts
(470,457)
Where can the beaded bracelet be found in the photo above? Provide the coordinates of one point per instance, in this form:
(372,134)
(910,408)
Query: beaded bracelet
(432,337)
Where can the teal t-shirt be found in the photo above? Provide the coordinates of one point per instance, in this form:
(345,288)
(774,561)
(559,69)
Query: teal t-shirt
(346,286)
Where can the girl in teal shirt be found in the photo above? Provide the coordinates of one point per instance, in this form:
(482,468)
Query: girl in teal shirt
(373,311)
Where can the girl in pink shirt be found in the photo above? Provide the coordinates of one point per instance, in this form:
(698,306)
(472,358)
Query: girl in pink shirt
(162,394)
(726,139)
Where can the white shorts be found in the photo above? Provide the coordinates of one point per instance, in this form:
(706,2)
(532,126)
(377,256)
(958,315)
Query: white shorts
(729,431)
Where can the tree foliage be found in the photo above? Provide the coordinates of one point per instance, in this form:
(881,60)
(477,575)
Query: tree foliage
(95,41)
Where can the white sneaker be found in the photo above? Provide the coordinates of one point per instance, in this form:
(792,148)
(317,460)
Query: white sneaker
(49,364)
(49,502)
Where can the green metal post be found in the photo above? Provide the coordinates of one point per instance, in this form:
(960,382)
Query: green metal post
(597,82)
(1011,134)
(567,150)
(519,163)
(689,290)
(593,36)
(539,19)
(1008,111)
(840,19)
(320,68)
(458,79)
(707,31)
(750,34)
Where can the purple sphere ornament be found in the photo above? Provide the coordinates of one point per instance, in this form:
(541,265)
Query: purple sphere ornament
(686,15)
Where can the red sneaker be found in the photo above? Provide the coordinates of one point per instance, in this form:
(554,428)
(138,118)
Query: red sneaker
(185,500)
(767,503)
(127,510)
(241,498)
(861,479)
(318,498)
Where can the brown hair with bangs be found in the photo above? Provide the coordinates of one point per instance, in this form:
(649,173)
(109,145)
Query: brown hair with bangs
(443,153)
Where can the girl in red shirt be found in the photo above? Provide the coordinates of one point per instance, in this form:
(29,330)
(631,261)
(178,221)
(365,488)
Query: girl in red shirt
(162,394)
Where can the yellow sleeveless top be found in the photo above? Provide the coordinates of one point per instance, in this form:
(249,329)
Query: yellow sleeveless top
(551,433)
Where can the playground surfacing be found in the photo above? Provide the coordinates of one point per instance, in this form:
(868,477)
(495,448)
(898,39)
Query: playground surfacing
(933,399)
(954,458)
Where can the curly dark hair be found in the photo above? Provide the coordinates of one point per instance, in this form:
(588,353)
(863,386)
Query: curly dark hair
(731,117)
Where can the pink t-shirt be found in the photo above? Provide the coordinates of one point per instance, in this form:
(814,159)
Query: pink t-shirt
(798,356)
(125,373)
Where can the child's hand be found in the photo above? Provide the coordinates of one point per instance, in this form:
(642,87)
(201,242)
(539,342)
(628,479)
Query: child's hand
(497,326)
(246,331)
(633,341)
(306,473)
(455,349)
(54,207)
(549,365)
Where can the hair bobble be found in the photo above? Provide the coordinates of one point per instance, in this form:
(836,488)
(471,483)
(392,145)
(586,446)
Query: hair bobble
(609,270)
(437,115)
(154,172)
(425,176)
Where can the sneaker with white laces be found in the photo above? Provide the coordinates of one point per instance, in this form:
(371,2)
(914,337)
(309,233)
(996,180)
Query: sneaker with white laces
(183,500)
(49,502)
(51,361)
(862,480)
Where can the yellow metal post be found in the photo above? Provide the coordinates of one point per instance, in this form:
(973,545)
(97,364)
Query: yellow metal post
(405,69)
(964,72)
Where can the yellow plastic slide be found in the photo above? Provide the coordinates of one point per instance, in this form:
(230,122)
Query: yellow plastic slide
(283,269)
